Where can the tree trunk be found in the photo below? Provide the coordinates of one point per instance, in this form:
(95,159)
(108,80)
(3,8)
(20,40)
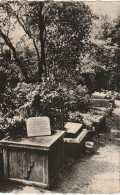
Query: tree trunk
(35,46)
(42,40)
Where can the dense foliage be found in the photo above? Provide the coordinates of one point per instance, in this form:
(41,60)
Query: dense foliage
(62,54)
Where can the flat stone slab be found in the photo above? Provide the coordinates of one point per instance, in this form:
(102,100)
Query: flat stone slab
(39,143)
(73,128)
(98,95)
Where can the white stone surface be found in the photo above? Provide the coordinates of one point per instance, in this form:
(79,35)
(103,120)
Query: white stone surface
(38,126)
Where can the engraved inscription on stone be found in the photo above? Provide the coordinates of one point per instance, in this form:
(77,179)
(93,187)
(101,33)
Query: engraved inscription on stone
(38,126)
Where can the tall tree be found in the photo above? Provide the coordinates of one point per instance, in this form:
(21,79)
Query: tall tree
(55,32)
(68,24)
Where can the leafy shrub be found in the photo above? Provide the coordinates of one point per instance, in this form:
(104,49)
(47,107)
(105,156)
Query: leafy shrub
(14,127)
(83,118)
(45,99)
(75,117)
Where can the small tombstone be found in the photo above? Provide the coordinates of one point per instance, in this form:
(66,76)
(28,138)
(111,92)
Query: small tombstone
(38,126)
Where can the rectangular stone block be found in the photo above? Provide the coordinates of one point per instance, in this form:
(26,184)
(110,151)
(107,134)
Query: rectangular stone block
(38,126)
(72,129)
(35,161)
(74,147)
(98,95)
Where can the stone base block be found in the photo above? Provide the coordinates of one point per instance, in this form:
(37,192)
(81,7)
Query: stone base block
(74,147)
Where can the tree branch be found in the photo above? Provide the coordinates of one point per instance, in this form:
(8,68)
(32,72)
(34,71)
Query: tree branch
(19,64)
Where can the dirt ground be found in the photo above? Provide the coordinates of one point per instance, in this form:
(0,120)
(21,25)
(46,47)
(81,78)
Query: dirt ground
(98,173)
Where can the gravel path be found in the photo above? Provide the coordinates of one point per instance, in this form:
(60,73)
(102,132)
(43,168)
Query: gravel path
(97,174)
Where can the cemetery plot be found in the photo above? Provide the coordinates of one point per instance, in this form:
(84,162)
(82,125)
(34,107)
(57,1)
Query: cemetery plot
(74,139)
(35,160)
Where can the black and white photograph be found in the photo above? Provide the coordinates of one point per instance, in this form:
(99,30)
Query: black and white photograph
(59,97)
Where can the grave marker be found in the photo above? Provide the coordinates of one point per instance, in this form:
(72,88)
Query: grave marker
(38,126)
